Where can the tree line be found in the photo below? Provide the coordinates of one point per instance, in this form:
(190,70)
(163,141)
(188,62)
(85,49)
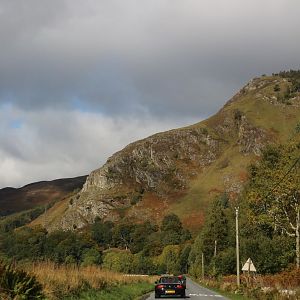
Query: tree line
(269,230)
(122,247)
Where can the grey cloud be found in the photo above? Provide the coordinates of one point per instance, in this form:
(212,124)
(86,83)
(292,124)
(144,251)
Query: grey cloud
(87,77)
(130,57)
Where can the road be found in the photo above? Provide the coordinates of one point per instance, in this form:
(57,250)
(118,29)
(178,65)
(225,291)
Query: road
(195,292)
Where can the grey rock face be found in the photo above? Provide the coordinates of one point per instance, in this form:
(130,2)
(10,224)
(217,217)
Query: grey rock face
(158,164)
(164,163)
(250,138)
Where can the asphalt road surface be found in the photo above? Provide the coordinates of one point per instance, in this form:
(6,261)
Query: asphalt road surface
(194,292)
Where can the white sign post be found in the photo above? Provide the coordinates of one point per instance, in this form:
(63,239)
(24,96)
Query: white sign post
(249,267)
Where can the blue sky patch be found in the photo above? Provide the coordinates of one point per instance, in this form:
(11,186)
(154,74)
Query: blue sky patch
(16,124)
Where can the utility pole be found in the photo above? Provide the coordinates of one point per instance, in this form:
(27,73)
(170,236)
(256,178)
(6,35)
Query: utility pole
(202,262)
(215,252)
(215,255)
(237,247)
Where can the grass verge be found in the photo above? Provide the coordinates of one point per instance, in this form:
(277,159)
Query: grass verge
(93,282)
(130,291)
(228,295)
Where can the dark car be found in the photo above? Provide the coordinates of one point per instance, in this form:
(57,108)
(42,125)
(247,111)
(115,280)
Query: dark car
(182,278)
(169,286)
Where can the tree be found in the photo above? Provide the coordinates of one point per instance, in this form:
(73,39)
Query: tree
(195,257)
(170,259)
(154,245)
(118,261)
(270,255)
(172,232)
(214,238)
(171,222)
(25,243)
(183,258)
(66,246)
(102,233)
(140,236)
(91,256)
(215,232)
(225,261)
(143,264)
(274,193)
(122,235)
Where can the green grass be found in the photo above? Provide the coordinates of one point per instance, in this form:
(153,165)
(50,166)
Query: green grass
(19,219)
(124,292)
(279,118)
(211,183)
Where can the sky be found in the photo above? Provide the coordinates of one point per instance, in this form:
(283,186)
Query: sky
(80,79)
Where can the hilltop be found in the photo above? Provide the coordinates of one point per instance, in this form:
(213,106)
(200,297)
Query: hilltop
(182,170)
(14,200)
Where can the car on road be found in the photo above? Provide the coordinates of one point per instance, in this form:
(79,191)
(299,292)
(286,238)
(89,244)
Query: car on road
(182,278)
(169,285)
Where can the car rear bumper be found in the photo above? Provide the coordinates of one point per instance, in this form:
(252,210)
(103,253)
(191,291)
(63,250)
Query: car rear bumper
(170,292)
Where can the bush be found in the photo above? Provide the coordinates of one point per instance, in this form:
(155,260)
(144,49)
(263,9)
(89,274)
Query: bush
(276,88)
(91,257)
(17,283)
(118,261)
(225,261)
(169,259)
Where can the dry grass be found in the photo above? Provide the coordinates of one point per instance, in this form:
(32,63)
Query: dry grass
(284,280)
(53,213)
(281,286)
(62,280)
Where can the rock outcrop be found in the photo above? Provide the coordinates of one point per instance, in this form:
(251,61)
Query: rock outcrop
(166,163)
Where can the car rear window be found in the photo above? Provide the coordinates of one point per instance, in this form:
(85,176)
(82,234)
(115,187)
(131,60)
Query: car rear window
(169,280)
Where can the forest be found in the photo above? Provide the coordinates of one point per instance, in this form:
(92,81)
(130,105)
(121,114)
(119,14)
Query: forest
(269,230)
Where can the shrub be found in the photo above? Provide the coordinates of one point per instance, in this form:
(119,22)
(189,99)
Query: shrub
(118,261)
(276,88)
(91,257)
(225,261)
(238,115)
(18,283)
(135,198)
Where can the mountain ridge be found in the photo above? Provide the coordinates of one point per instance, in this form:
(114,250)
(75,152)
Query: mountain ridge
(14,200)
(181,170)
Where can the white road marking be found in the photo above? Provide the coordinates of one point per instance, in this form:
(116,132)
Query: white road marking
(204,295)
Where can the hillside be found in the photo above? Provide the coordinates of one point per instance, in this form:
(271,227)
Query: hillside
(182,170)
(14,200)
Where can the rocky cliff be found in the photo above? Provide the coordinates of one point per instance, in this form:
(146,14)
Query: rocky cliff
(182,169)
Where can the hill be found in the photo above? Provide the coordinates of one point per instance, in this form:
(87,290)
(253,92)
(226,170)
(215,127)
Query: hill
(14,200)
(182,170)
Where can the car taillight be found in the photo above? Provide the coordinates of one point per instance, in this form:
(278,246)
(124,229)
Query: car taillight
(179,286)
(160,286)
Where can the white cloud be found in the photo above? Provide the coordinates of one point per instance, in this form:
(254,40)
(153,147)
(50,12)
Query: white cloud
(52,144)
